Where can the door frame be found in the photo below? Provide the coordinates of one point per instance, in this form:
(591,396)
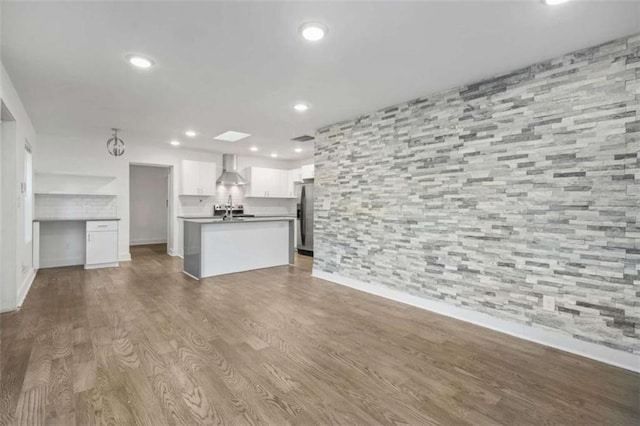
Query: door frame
(170,201)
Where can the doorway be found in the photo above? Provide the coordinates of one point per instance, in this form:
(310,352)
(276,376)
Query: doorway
(149,209)
(8,210)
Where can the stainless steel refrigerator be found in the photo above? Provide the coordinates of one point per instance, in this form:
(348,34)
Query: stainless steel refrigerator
(304,193)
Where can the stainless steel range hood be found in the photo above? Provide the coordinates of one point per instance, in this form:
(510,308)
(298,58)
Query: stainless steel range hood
(230,175)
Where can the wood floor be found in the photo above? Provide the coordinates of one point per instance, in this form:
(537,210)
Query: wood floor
(147,250)
(145,344)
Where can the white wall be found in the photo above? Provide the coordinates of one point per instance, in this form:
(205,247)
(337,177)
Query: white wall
(62,244)
(1,196)
(148,204)
(89,156)
(17,269)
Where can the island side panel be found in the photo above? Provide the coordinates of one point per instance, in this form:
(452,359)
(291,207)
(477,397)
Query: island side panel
(292,241)
(192,249)
(244,246)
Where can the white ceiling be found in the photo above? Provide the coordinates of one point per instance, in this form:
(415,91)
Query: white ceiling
(241,66)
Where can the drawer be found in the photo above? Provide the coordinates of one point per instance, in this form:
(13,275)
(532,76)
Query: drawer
(102,225)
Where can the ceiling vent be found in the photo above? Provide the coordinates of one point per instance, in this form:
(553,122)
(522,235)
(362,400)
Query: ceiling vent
(303,138)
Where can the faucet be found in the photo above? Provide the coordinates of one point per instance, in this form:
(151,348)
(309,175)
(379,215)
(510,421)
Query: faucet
(229,213)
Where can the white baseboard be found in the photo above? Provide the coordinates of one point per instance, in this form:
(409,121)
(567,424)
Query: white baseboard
(554,339)
(102,265)
(26,286)
(124,257)
(145,242)
(59,263)
(189,275)
(22,293)
(174,252)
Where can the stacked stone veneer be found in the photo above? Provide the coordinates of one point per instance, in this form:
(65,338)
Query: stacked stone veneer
(491,195)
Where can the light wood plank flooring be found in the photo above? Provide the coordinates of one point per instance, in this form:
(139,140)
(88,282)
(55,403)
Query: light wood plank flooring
(144,344)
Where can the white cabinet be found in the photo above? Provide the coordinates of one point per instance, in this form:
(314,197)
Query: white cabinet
(208,177)
(268,183)
(257,181)
(294,176)
(190,183)
(281,177)
(198,178)
(308,171)
(102,244)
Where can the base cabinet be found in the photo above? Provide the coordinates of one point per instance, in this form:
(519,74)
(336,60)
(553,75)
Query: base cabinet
(102,244)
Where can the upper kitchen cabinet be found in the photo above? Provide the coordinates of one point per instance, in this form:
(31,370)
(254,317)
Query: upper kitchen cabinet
(294,176)
(257,181)
(268,183)
(308,171)
(198,178)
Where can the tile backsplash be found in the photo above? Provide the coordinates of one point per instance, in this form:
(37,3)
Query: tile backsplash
(75,206)
(196,206)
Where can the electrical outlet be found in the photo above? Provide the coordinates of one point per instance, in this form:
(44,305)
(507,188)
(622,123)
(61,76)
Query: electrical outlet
(548,303)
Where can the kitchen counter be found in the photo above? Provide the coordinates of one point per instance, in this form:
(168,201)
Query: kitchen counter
(73,219)
(216,247)
(258,216)
(239,220)
(65,241)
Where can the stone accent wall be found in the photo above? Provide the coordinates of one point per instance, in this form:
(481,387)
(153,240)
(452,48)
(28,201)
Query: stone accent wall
(492,195)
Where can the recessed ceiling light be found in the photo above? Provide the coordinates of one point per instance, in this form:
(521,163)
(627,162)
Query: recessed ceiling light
(301,107)
(140,61)
(191,133)
(298,150)
(313,31)
(274,155)
(253,148)
(555,2)
(175,143)
(232,136)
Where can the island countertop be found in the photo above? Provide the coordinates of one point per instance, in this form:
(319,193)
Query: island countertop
(239,220)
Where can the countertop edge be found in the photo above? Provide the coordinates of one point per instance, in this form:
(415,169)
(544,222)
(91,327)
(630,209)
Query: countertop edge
(75,219)
(249,217)
(244,220)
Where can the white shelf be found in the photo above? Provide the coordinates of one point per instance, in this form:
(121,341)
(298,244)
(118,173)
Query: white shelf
(75,175)
(54,183)
(75,194)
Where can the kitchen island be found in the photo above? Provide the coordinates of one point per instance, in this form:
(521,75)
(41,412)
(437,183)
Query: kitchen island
(216,247)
